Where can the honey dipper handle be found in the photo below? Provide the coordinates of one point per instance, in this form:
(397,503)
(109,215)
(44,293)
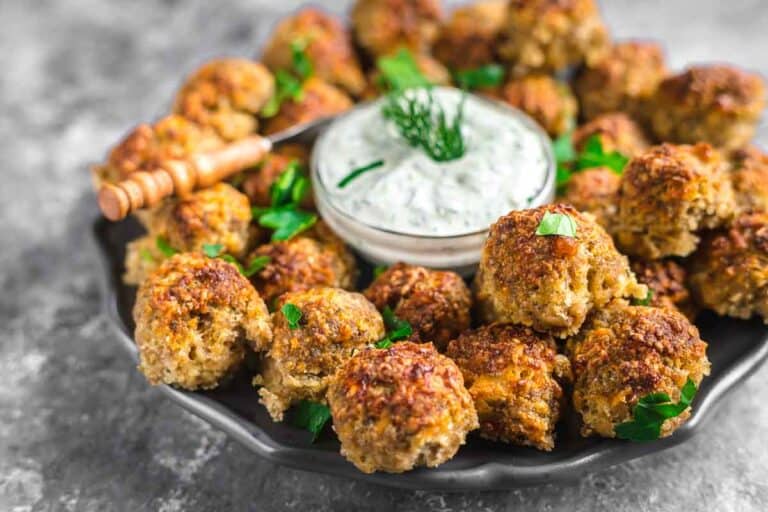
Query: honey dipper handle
(180,177)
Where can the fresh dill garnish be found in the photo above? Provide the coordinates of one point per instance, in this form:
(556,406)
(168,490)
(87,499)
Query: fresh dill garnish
(650,413)
(292,315)
(490,75)
(164,247)
(358,171)
(560,224)
(423,123)
(400,72)
(397,329)
(311,416)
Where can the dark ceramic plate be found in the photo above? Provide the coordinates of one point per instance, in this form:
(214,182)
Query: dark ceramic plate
(736,349)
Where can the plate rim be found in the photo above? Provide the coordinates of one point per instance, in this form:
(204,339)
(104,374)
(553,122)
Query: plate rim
(485,476)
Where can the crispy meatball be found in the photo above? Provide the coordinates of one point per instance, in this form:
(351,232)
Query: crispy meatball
(624,79)
(327,44)
(513,374)
(226,95)
(549,283)
(383,26)
(666,281)
(257,185)
(716,104)
(595,191)
(468,39)
(551,35)
(397,408)
(314,258)
(436,303)
(627,352)
(667,196)
(431,69)
(729,271)
(616,131)
(545,99)
(146,146)
(319,99)
(749,177)
(301,361)
(194,318)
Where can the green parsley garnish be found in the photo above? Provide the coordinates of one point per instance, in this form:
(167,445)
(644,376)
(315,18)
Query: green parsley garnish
(650,413)
(378,270)
(400,71)
(284,216)
(288,83)
(593,155)
(560,224)
(292,314)
(489,75)
(287,221)
(357,172)
(397,329)
(301,63)
(311,416)
(146,255)
(213,250)
(644,302)
(256,264)
(164,247)
(423,123)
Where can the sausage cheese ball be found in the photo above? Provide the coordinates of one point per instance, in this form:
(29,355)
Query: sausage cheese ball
(551,35)
(624,79)
(383,26)
(302,359)
(226,95)
(325,42)
(627,352)
(318,99)
(749,176)
(401,407)
(595,191)
(313,259)
(549,283)
(729,271)
(194,318)
(513,374)
(616,132)
(666,281)
(436,303)
(468,39)
(668,195)
(720,105)
(545,99)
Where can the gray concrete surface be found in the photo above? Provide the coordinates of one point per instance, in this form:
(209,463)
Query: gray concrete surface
(79,428)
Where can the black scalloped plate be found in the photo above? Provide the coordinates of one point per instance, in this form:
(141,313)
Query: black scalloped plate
(736,349)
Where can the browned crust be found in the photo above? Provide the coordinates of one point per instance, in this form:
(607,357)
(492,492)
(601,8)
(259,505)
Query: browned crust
(617,132)
(595,191)
(666,280)
(545,99)
(469,38)
(382,26)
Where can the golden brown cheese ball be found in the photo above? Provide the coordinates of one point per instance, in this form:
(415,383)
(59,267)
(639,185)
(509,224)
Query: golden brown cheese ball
(194,318)
(720,105)
(313,259)
(325,42)
(729,271)
(548,101)
(257,185)
(595,191)
(146,146)
(623,79)
(668,195)
(469,38)
(436,303)
(226,95)
(514,375)
(749,176)
(549,283)
(319,99)
(398,408)
(616,132)
(301,361)
(666,281)
(552,35)
(627,352)
(383,26)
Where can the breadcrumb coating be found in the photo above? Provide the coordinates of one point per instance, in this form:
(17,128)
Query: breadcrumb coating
(595,191)
(548,101)
(469,37)
(383,26)
(749,177)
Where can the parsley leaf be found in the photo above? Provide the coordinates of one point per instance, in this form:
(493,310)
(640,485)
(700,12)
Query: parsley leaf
(651,411)
(397,329)
(312,416)
(213,250)
(358,171)
(292,314)
(256,265)
(146,255)
(287,87)
(287,222)
(284,216)
(164,247)
(560,224)
(593,155)
(378,270)
(489,75)
(644,302)
(301,63)
(281,191)
(400,71)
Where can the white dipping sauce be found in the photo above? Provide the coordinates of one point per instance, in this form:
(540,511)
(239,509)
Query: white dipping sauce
(504,168)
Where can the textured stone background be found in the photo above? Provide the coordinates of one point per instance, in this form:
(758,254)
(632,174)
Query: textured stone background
(80,430)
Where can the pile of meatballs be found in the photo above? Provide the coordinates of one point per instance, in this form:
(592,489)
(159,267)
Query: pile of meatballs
(550,325)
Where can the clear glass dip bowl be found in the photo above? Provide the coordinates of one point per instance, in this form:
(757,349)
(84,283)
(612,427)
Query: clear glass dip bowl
(380,246)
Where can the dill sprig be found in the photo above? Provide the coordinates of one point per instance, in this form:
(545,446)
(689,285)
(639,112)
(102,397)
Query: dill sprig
(424,124)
